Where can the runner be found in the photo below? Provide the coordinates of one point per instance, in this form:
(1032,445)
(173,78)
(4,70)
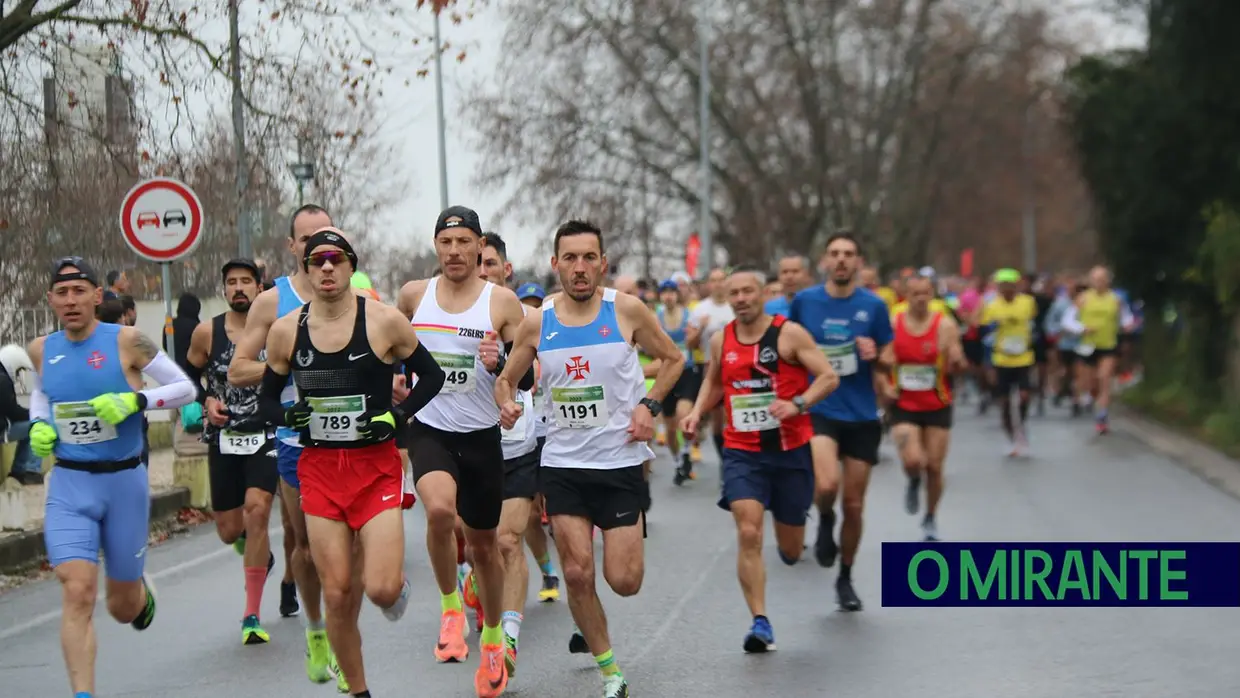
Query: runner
(1097,318)
(286,297)
(794,275)
(707,318)
(763,384)
(1010,317)
(455,441)
(241,463)
(86,407)
(852,327)
(927,350)
(340,349)
(603,417)
(674,319)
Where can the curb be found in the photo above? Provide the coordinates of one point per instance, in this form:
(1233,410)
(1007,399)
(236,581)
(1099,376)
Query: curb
(24,549)
(1213,466)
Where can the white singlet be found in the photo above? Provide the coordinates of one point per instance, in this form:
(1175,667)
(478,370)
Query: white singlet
(467,400)
(592,381)
(522,438)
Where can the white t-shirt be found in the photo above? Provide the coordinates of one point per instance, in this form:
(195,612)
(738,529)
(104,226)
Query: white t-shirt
(716,316)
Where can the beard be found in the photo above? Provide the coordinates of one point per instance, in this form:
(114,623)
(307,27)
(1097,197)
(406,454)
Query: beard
(240,305)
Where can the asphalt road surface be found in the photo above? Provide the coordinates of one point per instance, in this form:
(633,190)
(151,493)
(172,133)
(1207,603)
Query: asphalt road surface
(681,636)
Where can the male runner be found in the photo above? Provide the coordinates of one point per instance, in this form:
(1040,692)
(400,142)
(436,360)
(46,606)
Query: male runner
(340,349)
(674,319)
(602,418)
(927,350)
(706,319)
(521,456)
(241,464)
(86,407)
(287,295)
(794,275)
(852,327)
(455,441)
(763,382)
(1098,318)
(1010,317)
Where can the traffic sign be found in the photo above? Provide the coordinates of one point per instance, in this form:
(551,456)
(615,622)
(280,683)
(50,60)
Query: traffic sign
(161,219)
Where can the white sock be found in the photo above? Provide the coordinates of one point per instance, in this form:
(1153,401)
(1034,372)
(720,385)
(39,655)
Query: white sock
(511,621)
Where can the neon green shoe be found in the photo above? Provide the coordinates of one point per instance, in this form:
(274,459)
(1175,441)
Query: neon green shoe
(342,684)
(318,656)
(252,633)
(239,545)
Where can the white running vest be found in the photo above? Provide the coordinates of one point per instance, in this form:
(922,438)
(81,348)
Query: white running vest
(521,438)
(592,381)
(467,400)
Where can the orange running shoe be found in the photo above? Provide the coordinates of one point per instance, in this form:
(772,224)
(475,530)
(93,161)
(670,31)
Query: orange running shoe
(470,597)
(452,647)
(492,676)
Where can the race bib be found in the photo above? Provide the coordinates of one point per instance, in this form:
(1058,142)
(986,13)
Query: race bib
(235,443)
(917,378)
(517,433)
(1084,350)
(459,371)
(580,408)
(335,418)
(753,412)
(77,425)
(1014,346)
(843,357)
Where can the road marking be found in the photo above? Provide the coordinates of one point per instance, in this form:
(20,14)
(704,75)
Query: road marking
(681,604)
(273,534)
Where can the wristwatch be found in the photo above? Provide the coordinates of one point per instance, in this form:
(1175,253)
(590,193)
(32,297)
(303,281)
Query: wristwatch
(800,403)
(655,407)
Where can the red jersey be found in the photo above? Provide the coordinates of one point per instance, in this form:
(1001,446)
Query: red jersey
(920,371)
(754,376)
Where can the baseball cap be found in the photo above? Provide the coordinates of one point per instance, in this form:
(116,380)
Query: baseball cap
(1008,276)
(530,290)
(84,271)
(669,285)
(468,219)
(241,263)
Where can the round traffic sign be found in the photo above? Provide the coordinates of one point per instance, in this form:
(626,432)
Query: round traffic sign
(161,219)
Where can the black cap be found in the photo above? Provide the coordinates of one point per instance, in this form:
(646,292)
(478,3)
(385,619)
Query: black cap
(84,271)
(241,263)
(468,220)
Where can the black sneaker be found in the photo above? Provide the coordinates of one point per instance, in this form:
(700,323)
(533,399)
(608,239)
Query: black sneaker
(845,595)
(577,643)
(271,563)
(683,472)
(825,548)
(147,616)
(912,496)
(288,600)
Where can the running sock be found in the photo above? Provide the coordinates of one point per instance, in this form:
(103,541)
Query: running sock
(511,622)
(316,626)
(255,578)
(845,571)
(607,664)
(544,564)
(450,601)
(492,635)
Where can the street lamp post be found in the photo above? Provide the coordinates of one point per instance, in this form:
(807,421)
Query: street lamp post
(303,172)
(441,126)
(704,211)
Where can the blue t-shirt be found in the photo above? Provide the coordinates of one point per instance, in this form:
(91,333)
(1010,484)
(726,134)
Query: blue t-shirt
(835,323)
(778,306)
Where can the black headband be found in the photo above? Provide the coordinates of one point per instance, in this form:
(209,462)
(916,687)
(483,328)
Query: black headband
(328,236)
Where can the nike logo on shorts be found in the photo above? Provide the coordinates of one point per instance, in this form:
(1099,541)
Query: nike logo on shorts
(388,496)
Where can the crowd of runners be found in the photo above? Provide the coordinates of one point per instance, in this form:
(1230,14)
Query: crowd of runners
(515,416)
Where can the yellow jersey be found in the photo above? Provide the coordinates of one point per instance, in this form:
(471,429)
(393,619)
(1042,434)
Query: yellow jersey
(1013,333)
(889,296)
(1100,314)
(936,306)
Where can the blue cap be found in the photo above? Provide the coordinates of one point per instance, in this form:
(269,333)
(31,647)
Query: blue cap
(531,290)
(669,285)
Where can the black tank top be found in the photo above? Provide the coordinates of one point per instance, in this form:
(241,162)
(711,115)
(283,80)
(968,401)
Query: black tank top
(241,402)
(341,385)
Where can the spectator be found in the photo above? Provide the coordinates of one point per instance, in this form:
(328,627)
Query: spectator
(118,285)
(15,419)
(130,316)
(111,311)
(183,326)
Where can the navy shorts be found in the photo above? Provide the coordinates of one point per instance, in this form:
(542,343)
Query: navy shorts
(286,462)
(783,482)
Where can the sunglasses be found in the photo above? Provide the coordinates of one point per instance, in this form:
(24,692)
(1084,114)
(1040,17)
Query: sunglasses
(66,262)
(333,257)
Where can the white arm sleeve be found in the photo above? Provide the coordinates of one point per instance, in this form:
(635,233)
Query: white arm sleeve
(175,388)
(40,407)
(1071,321)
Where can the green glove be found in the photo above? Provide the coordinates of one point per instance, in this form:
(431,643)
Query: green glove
(42,439)
(297,416)
(376,425)
(115,408)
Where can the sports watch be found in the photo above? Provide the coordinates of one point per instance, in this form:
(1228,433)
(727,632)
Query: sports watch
(655,407)
(800,403)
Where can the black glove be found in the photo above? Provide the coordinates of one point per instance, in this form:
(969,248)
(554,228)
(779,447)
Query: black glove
(379,425)
(297,416)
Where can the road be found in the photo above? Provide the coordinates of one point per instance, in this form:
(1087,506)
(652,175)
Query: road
(681,635)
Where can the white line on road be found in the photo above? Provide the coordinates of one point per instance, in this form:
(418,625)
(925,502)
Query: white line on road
(683,602)
(274,534)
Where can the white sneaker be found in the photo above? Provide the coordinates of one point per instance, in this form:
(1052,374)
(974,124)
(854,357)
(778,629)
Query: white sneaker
(396,610)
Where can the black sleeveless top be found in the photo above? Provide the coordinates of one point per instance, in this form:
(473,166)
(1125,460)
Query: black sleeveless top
(241,402)
(341,385)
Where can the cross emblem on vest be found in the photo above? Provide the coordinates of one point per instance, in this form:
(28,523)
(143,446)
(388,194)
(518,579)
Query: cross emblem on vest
(604,330)
(95,359)
(577,370)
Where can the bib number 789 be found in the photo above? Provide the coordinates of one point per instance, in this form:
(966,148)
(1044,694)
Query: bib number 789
(334,421)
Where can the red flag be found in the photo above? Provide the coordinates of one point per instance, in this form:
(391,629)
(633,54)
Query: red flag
(693,248)
(966,262)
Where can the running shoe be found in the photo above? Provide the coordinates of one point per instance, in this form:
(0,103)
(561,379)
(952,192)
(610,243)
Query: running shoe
(470,596)
(695,453)
(825,549)
(398,609)
(614,686)
(271,563)
(912,496)
(252,633)
(510,654)
(288,600)
(761,637)
(492,676)
(929,530)
(319,659)
(342,683)
(846,596)
(550,591)
(239,545)
(147,616)
(451,646)
(577,643)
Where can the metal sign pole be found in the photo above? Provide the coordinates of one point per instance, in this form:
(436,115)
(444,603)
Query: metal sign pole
(166,269)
